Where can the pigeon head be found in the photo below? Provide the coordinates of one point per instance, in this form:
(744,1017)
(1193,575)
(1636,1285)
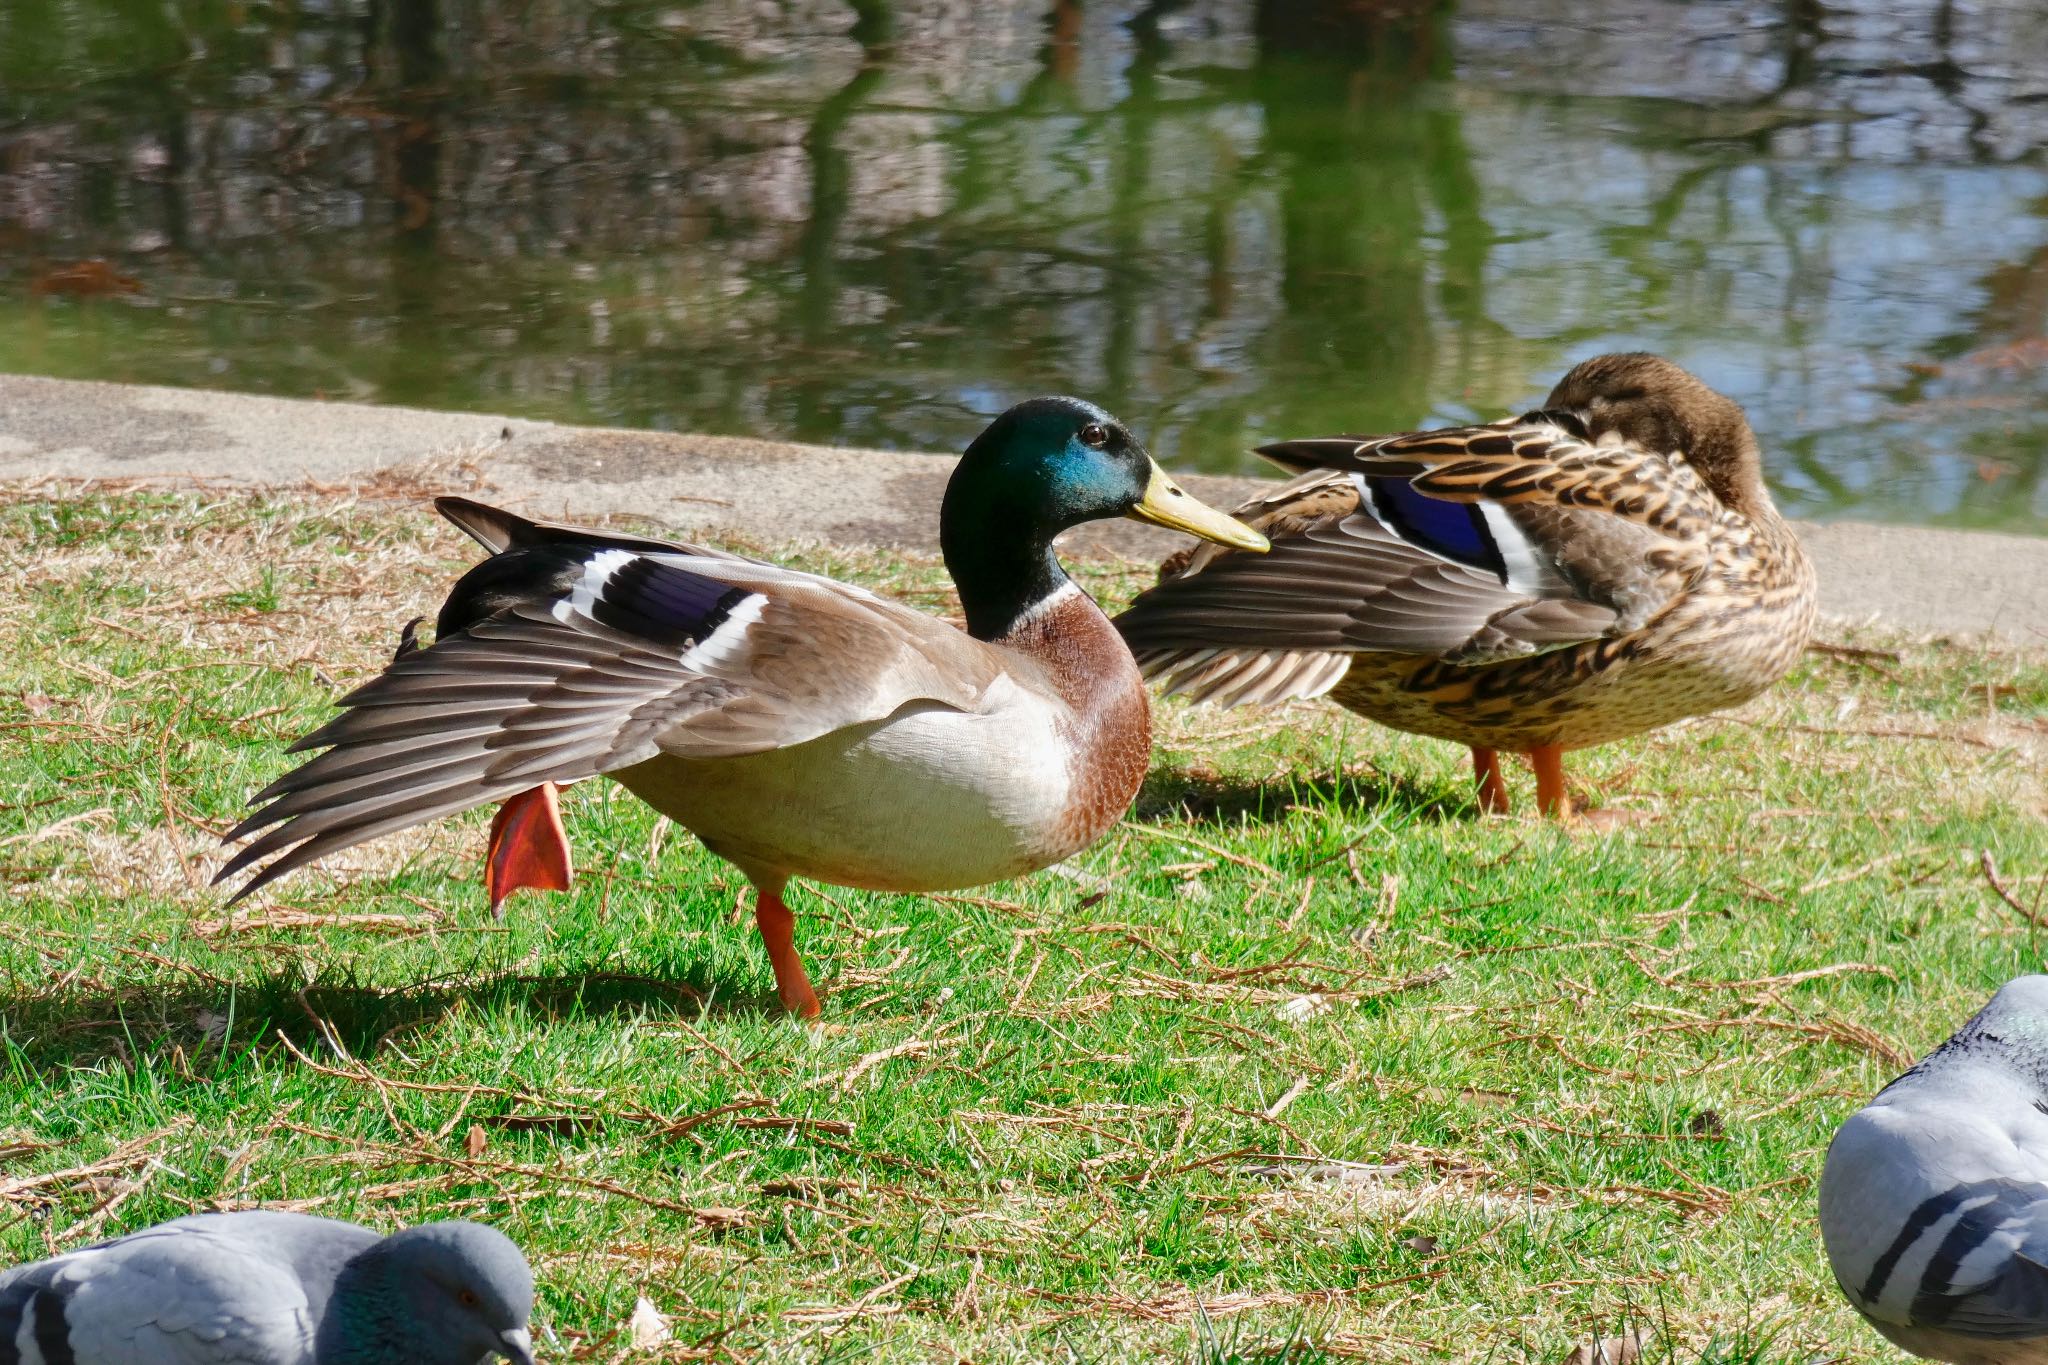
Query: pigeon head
(2010,1032)
(2017,1015)
(440,1294)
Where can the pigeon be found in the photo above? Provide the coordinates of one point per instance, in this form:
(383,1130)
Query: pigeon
(262,1287)
(1934,1198)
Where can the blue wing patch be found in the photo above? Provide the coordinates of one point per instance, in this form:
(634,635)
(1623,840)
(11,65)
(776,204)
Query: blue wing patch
(1456,531)
(647,597)
(658,601)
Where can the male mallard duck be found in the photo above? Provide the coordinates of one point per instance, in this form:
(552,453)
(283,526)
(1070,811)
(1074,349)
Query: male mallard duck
(1600,567)
(800,726)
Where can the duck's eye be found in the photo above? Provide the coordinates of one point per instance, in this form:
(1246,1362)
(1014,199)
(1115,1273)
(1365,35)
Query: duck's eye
(1095,435)
(468,1297)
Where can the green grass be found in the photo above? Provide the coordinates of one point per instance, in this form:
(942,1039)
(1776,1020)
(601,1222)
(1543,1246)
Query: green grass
(1302,1063)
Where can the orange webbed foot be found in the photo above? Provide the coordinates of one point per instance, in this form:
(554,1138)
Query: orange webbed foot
(528,847)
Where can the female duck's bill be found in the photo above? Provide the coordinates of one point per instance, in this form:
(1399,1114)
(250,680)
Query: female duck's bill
(800,726)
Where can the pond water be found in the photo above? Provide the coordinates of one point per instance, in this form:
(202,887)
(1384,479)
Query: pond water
(876,223)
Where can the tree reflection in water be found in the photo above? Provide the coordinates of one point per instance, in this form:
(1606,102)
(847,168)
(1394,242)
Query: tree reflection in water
(877,223)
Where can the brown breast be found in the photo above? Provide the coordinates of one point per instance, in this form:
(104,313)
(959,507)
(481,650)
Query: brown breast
(1109,735)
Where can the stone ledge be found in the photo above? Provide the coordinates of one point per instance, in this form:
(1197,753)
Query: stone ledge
(1911,578)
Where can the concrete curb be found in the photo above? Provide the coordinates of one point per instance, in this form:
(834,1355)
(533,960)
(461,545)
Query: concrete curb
(1951,582)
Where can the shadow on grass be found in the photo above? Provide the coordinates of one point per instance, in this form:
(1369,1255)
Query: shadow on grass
(1198,796)
(192,1021)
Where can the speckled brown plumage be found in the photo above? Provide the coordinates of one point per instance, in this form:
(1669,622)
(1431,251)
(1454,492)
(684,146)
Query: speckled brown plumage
(1653,578)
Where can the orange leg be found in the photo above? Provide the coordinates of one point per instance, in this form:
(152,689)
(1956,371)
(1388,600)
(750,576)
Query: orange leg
(1493,789)
(528,847)
(778,935)
(1548,761)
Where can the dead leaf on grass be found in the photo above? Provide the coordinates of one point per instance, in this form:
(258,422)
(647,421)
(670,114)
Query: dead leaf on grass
(1302,1008)
(1621,1350)
(647,1327)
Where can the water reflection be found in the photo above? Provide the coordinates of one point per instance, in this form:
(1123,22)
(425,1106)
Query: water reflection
(877,222)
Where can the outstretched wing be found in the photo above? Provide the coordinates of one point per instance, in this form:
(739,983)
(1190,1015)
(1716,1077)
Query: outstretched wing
(570,655)
(1470,545)
(498,530)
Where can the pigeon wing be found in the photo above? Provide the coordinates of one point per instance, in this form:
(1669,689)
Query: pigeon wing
(1987,1278)
(160,1298)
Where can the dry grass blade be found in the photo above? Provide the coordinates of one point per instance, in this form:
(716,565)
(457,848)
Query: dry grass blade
(1989,866)
(137,1151)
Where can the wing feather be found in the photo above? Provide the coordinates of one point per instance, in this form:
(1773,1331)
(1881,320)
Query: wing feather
(158,1300)
(1984,1276)
(1565,541)
(608,656)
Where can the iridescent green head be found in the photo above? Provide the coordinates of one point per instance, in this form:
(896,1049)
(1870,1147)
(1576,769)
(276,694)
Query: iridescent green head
(1044,466)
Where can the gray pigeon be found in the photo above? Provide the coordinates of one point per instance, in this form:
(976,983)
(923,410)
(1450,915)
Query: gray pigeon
(268,1288)
(1934,1200)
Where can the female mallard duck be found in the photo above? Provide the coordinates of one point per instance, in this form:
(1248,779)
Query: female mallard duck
(801,727)
(1598,568)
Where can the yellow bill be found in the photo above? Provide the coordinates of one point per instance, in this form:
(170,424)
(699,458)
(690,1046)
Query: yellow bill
(1166,504)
